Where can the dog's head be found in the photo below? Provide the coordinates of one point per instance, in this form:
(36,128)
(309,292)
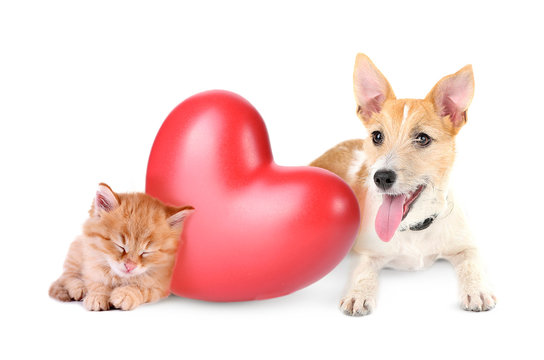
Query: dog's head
(411,146)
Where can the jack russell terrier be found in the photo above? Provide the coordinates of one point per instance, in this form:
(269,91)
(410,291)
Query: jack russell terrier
(400,175)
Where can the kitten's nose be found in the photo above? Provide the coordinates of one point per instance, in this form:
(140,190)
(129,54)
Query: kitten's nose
(130,265)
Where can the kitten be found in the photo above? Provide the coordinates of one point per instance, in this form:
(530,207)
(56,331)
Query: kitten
(126,253)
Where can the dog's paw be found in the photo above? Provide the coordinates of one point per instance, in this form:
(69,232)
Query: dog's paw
(96,302)
(125,298)
(478,301)
(357,304)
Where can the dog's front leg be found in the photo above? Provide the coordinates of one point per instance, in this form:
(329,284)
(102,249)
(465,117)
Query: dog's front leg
(361,297)
(473,287)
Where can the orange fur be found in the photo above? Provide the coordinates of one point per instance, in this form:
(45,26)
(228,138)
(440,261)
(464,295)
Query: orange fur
(138,230)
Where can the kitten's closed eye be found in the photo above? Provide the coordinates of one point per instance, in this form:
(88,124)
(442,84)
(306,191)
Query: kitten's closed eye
(120,247)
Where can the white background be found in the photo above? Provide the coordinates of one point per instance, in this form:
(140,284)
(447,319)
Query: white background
(85,87)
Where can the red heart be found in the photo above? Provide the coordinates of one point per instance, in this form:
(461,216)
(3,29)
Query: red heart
(259,230)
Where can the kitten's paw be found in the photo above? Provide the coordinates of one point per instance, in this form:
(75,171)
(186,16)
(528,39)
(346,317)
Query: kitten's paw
(125,298)
(357,304)
(96,302)
(59,292)
(478,301)
(76,289)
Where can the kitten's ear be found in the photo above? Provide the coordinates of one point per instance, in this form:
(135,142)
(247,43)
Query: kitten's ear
(452,95)
(105,200)
(180,214)
(371,88)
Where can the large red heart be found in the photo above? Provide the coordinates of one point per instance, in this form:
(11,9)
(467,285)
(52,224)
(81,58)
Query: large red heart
(259,230)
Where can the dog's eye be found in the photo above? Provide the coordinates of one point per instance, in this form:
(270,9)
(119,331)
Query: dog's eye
(423,139)
(377,137)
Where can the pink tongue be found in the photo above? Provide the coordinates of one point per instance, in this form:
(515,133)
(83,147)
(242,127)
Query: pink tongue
(389,216)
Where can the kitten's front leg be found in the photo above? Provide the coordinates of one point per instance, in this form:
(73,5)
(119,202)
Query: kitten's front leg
(126,297)
(474,291)
(361,298)
(156,293)
(70,285)
(97,298)
(68,288)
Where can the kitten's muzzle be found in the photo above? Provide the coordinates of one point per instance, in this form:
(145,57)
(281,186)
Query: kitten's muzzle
(129,265)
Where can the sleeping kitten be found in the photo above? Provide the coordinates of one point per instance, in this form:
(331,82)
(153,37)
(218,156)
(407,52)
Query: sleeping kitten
(126,253)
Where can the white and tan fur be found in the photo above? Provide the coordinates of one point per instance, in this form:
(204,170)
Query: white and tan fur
(440,115)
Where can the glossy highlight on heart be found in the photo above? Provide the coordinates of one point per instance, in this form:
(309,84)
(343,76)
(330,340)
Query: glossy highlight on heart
(259,230)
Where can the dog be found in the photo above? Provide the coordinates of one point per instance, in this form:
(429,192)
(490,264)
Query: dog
(400,176)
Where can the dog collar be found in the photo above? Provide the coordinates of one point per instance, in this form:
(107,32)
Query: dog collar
(422,225)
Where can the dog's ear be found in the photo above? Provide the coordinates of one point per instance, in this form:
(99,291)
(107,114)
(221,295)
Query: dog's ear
(452,95)
(371,88)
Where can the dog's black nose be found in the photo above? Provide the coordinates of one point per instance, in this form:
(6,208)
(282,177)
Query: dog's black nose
(384,179)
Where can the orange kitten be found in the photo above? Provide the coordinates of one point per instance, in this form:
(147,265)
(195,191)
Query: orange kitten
(126,253)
